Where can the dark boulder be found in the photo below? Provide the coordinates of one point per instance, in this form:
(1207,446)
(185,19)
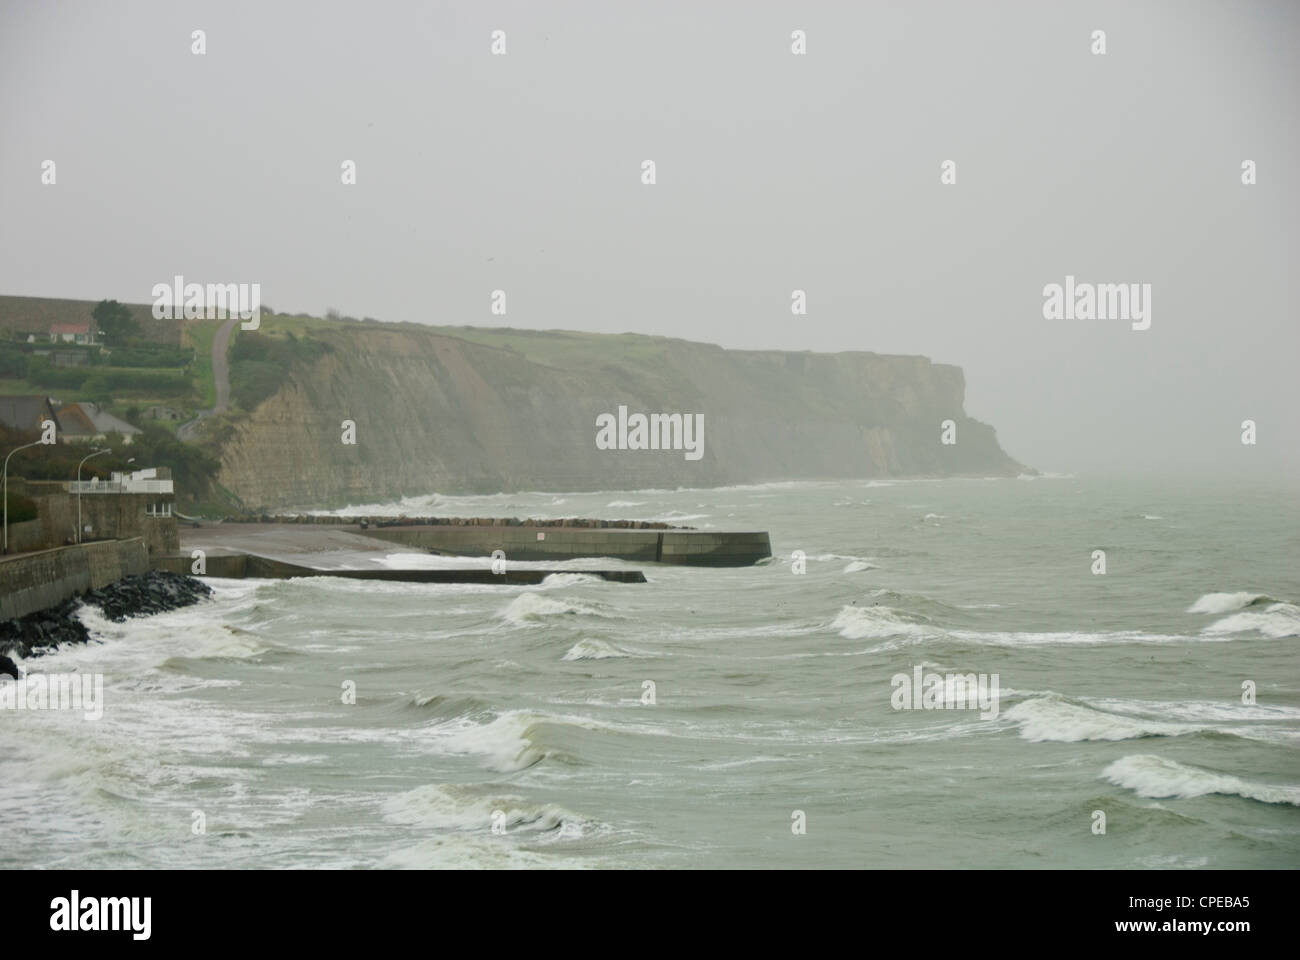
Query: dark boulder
(140,595)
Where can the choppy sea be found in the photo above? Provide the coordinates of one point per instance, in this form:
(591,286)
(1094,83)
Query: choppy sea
(716,717)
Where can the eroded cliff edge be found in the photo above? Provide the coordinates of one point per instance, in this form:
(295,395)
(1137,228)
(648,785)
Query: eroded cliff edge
(467,410)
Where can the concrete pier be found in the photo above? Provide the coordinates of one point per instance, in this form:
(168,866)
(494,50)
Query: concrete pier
(287,551)
(337,544)
(689,547)
(242,565)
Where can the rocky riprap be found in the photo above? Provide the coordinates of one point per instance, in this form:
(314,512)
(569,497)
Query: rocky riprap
(140,595)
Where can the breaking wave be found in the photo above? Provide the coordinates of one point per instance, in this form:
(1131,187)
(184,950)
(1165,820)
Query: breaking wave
(1225,602)
(1059,720)
(594,649)
(1275,621)
(855,623)
(449,807)
(533,608)
(1155,777)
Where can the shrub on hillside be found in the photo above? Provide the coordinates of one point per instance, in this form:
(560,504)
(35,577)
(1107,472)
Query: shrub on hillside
(45,374)
(13,363)
(260,364)
(111,382)
(21,508)
(152,355)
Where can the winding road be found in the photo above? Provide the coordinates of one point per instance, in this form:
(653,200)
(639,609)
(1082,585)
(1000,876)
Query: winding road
(220,376)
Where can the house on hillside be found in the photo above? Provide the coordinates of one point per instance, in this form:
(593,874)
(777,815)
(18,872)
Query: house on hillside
(25,413)
(86,422)
(73,333)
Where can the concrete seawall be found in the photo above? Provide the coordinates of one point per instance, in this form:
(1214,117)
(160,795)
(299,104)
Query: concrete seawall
(690,547)
(38,581)
(241,565)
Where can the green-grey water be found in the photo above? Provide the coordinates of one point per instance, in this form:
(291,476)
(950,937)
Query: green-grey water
(509,726)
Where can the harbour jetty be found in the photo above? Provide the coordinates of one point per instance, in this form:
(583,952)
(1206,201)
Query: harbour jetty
(289,551)
(635,541)
(242,565)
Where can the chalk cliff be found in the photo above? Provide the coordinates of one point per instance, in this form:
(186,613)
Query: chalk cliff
(462,410)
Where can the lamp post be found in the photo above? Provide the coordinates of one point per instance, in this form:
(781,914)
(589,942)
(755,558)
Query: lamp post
(36,443)
(83,460)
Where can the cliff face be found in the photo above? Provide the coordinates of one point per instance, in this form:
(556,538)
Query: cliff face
(457,410)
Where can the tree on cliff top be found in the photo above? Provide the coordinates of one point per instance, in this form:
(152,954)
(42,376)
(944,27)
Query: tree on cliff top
(115,321)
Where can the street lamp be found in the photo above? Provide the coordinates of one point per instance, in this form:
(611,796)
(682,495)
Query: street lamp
(35,443)
(83,460)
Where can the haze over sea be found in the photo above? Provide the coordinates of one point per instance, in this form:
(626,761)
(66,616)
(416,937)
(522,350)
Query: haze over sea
(1119,692)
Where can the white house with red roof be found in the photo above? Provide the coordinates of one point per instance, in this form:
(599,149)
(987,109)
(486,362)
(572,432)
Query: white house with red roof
(73,333)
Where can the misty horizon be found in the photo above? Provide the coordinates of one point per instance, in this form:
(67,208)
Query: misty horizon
(775,173)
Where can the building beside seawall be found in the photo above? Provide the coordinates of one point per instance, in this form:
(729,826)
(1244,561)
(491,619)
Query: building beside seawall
(139,504)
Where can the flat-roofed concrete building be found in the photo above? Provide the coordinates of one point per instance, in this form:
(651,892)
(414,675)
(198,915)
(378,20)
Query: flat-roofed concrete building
(138,504)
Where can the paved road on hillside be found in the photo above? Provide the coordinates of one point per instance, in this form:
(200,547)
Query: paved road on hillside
(220,374)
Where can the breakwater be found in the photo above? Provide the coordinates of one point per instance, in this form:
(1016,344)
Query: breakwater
(241,565)
(635,541)
(552,542)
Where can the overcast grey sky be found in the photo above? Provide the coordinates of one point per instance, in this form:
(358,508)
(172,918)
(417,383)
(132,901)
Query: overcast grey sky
(775,172)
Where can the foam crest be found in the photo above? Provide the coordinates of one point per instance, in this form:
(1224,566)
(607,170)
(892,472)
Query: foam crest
(1156,777)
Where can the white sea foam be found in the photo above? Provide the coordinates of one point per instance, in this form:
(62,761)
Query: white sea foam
(870,562)
(592,648)
(1203,711)
(504,743)
(854,623)
(451,807)
(1277,620)
(1224,602)
(461,851)
(1050,718)
(1156,777)
(555,580)
(142,643)
(532,608)
(1066,638)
